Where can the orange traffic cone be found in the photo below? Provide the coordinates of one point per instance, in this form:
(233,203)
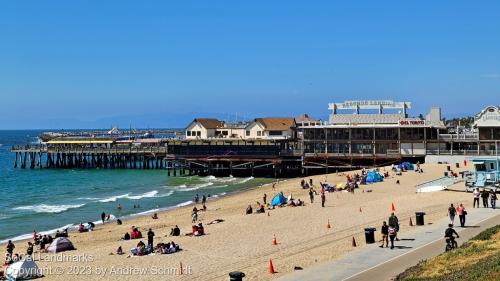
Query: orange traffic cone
(274,240)
(271,267)
(411,222)
(328,224)
(353,242)
(393,209)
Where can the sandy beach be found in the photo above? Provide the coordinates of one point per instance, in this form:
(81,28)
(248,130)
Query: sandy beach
(244,242)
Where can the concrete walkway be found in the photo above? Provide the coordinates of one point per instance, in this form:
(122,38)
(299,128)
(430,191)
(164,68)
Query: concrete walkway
(373,263)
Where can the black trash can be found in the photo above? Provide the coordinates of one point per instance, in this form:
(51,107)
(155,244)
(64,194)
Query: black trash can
(448,168)
(445,174)
(370,235)
(236,276)
(457,165)
(419,218)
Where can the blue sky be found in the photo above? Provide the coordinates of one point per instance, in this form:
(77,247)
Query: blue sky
(82,64)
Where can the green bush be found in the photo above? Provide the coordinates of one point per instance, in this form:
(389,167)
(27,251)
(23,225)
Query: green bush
(487,234)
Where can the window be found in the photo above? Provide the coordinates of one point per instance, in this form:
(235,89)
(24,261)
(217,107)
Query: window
(259,133)
(188,133)
(198,133)
(275,133)
(248,133)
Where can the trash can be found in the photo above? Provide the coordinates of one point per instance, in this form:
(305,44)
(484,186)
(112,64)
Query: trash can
(445,174)
(419,218)
(370,235)
(448,168)
(236,276)
(457,165)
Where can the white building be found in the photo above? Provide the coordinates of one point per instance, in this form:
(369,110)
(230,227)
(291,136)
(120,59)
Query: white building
(203,128)
(271,128)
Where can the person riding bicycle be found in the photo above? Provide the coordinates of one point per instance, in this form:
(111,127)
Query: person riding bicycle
(448,234)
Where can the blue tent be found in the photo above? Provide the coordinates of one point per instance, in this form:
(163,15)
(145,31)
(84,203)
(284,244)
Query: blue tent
(372,177)
(278,200)
(407,165)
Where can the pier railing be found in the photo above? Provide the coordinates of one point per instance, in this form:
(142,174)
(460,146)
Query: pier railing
(90,150)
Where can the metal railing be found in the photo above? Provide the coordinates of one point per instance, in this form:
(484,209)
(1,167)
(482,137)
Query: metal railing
(459,136)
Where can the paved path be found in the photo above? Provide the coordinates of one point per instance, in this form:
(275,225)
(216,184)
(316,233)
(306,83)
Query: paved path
(372,263)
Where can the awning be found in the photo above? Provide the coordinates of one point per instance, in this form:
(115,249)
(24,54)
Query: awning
(478,162)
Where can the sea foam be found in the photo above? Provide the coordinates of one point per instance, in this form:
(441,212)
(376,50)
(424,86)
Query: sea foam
(44,208)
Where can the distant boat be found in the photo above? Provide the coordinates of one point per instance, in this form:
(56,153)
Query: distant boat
(114,131)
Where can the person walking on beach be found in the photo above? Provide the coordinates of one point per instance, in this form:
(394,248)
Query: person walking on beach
(451,213)
(461,214)
(264,198)
(203,199)
(196,198)
(394,221)
(323,199)
(311,195)
(103,217)
(385,235)
(151,235)
(392,234)
(485,194)
(194,215)
(476,198)
(10,249)
(493,199)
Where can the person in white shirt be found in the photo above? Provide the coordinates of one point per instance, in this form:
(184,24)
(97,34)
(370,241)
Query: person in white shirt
(476,197)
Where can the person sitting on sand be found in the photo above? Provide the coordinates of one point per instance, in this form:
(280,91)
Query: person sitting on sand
(300,202)
(43,242)
(141,248)
(119,251)
(155,216)
(119,222)
(291,203)
(126,236)
(200,230)
(29,250)
(249,210)
(81,228)
(260,210)
(176,231)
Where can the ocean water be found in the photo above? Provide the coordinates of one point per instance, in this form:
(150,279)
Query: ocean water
(48,199)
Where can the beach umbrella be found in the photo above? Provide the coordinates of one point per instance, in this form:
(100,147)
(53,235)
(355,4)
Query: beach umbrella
(60,244)
(22,270)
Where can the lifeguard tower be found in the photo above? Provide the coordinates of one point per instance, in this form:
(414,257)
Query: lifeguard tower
(486,174)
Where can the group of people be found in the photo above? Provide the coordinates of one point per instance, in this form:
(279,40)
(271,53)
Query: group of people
(135,233)
(460,211)
(390,231)
(86,228)
(485,195)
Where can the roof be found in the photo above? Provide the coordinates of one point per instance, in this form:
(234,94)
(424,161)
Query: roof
(210,123)
(304,118)
(276,124)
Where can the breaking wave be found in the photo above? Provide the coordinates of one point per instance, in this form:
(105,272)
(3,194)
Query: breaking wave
(44,208)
